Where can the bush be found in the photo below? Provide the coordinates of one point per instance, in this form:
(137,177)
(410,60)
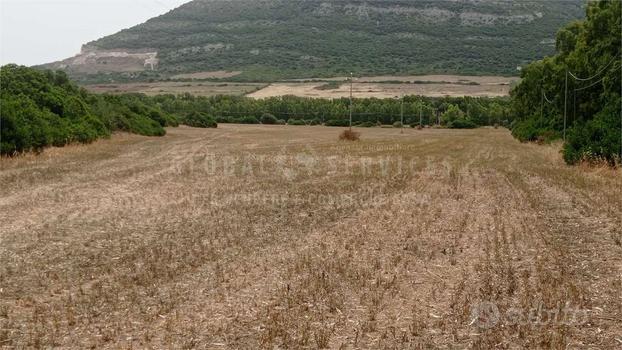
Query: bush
(244,120)
(596,140)
(200,120)
(367,125)
(281,122)
(338,122)
(296,122)
(41,109)
(398,125)
(461,123)
(349,135)
(269,119)
(249,120)
(533,129)
(315,121)
(129,113)
(452,113)
(159,117)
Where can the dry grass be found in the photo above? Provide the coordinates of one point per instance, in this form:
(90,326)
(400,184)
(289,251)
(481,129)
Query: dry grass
(268,236)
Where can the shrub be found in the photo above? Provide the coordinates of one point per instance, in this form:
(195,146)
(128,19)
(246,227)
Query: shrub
(248,120)
(200,120)
(296,122)
(533,129)
(158,116)
(398,125)
(367,125)
(41,109)
(244,120)
(452,113)
(315,121)
(281,122)
(461,123)
(338,122)
(268,118)
(349,135)
(596,140)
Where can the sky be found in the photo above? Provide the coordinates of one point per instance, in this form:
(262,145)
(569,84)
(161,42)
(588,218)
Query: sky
(42,31)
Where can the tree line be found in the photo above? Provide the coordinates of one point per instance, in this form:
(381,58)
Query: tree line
(447,111)
(575,94)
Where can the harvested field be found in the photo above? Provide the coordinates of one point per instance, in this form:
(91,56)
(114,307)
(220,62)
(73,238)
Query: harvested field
(283,237)
(369,88)
(177,88)
(377,86)
(460,79)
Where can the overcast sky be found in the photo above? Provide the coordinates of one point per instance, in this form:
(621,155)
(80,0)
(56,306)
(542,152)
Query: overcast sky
(41,31)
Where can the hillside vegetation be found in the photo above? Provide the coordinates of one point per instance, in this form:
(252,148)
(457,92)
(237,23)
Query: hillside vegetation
(589,58)
(272,39)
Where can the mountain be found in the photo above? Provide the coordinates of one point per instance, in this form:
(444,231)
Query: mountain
(276,39)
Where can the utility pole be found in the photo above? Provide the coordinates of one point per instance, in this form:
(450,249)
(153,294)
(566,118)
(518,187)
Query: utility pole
(351,77)
(421,115)
(565,103)
(402,115)
(542,99)
(542,105)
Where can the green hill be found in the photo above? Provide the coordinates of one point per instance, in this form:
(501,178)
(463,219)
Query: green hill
(271,39)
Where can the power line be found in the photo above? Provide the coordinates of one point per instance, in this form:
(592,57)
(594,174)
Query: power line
(565,103)
(595,75)
(589,86)
(546,98)
(595,83)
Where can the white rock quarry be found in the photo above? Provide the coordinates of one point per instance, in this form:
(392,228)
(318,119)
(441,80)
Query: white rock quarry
(93,60)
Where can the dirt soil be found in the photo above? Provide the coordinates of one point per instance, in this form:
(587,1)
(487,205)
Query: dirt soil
(250,237)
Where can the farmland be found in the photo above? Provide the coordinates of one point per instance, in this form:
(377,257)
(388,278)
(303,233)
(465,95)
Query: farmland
(282,236)
(363,87)
(178,88)
(392,86)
